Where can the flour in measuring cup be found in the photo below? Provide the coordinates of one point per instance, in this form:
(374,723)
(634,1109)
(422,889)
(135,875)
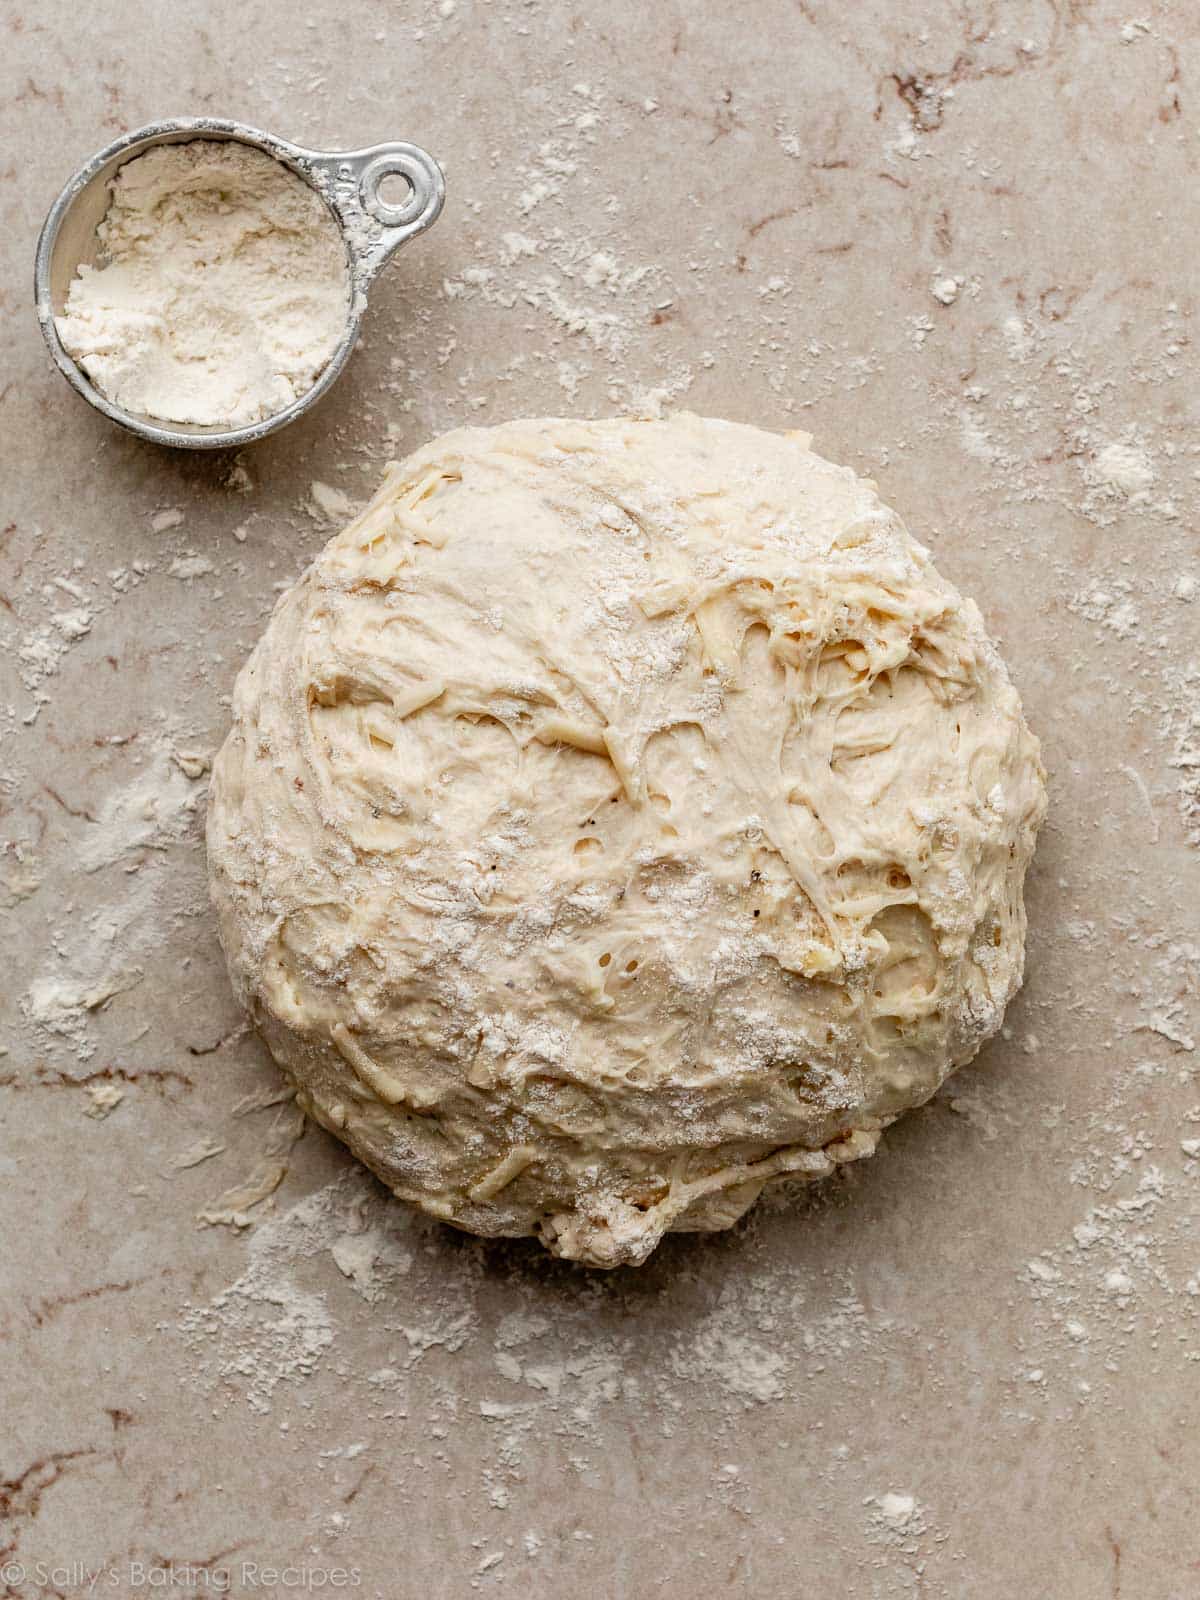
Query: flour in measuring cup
(224,291)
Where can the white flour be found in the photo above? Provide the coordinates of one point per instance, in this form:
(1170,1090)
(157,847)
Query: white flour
(225,292)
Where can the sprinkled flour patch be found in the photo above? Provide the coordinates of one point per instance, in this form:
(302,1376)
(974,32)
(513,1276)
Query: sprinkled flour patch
(156,808)
(741,1366)
(895,1518)
(98,956)
(269,1327)
(1124,467)
(91,963)
(188,567)
(264,1329)
(40,652)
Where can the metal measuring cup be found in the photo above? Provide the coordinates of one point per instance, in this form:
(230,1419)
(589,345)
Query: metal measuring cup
(348,181)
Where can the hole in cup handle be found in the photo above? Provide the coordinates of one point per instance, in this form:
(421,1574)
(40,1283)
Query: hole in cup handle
(426,188)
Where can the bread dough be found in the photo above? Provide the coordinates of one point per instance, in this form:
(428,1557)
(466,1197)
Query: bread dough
(616,816)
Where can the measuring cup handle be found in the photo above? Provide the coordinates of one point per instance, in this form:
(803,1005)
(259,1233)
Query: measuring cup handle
(374,228)
(427,188)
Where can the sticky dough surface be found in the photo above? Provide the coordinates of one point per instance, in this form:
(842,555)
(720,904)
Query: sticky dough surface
(617,816)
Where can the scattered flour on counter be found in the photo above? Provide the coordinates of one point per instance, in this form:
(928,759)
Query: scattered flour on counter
(569,1356)
(583,291)
(896,1519)
(267,1328)
(896,1508)
(720,1353)
(188,567)
(73,624)
(945,290)
(40,652)
(1116,612)
(1125,467)
(356,1257)
(329,505)
(94,958)
(155,809)
(264,1330)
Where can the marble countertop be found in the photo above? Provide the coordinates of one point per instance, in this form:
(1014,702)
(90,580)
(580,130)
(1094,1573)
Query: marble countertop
(962,254)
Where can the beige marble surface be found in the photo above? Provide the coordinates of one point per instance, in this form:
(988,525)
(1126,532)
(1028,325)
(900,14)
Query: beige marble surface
(960,250)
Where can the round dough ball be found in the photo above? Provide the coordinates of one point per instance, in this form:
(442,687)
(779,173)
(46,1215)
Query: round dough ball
(616,816)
